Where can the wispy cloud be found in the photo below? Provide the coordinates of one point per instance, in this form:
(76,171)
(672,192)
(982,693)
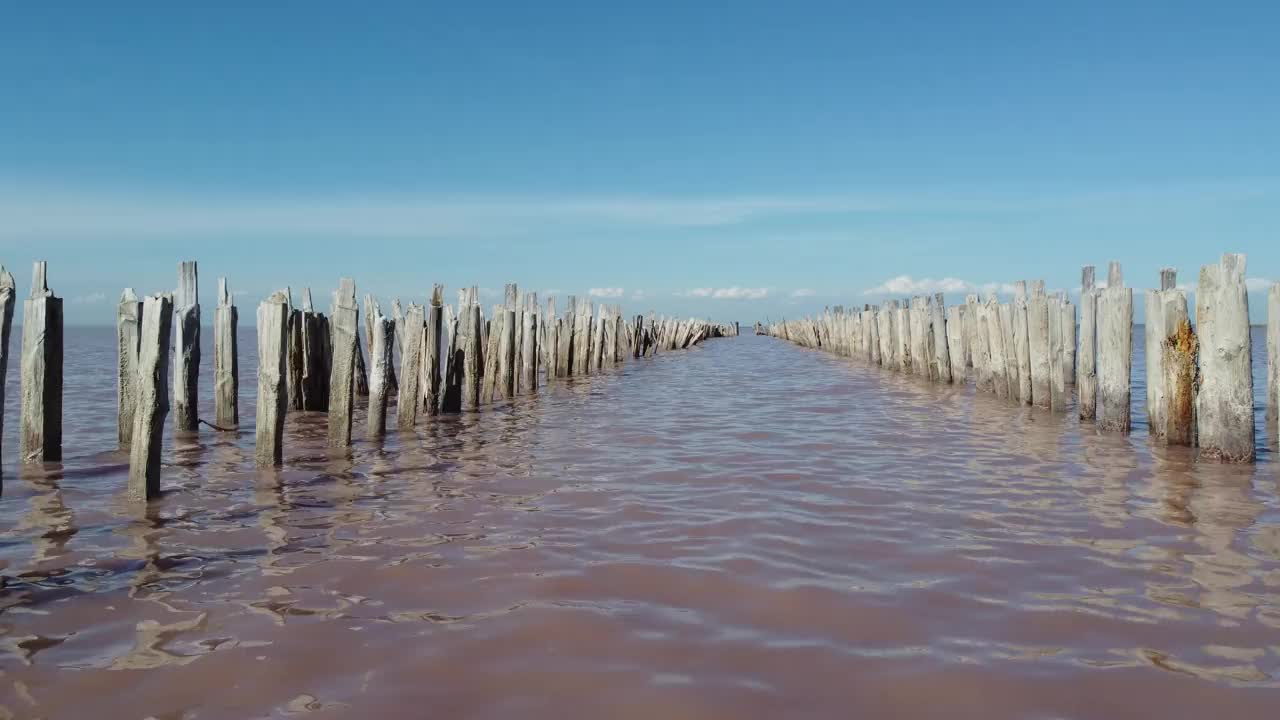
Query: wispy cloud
(803,293)
(907,285)
(727,293)
(607,292)
(639,294)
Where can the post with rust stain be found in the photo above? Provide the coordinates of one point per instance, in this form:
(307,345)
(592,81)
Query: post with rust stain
(273,396)
(1224,401)
(41,419)
(226,360)
(1179,351)
(147,437)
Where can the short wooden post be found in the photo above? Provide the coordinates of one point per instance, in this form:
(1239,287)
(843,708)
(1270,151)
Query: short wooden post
(1224,404)
(272,390)
(296,362)
(564,353)
(1012,375)
(1155,335)
(1180,349)
(8,293)
(552,340)
(581,345)
(147,437)
(128,323)
(41,420)
(955,342)
(413,343)
(344,329)
(186,367)
(381,357)
(432,338)
(976,341)
(1086,359)
(360,375)
(226,360)
(1115,351)
(317,343)
(493,357)
(1068,341)
(1038,344)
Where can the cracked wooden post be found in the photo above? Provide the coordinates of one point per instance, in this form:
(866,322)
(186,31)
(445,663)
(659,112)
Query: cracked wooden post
(186,366)
(226,359)
(1224,403)
(413,367)
(1179,350)
(955,342)
(995,347)
(8,293)
(381,357)
(1115,351)
(975,340)
(564,353)
(471,358)
(361,374)
(941,353)
(1068,341)
(529,349)
(1273,359)
(581,337)
(432,337)
(147,438)
(1038,344)
(1086,359)
(492,357)
(1154,335)
(317,356)
(344,329)
(296,362)
(1021,341)
(507,345)
(41,420)
(451,387)
(888,335)
(1057,352)
(552,340)
(273,398)
(128,324)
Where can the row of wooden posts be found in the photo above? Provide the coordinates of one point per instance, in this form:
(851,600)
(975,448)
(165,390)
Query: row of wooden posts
(451,359)
(1035,348)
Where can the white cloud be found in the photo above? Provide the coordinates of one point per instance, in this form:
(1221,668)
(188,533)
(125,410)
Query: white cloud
(728,293)
(803,292)
(608,292)
(90,299)
(638,294)
(907,285)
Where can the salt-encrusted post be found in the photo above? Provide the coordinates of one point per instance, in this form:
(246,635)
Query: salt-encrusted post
(41,423)
(226,361)
(1068,341)
(128,322)
(272,391)
(581,336)
(1224,404)
(1115,351)
(1273,356)
(8,291)
(147,437)
(381,357)
(343,328)
(1086,360)
(186,367)
(1155,335)
(941,353)
(431,352)
(415,339)
(471,377)
(1038,344)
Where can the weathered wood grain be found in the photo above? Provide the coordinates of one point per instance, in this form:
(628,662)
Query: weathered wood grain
(1115,352)
(186,360)
(41,372)
(147,437)
(344,330)
(128,337)
(272,389)
(226,359)
(1224,403)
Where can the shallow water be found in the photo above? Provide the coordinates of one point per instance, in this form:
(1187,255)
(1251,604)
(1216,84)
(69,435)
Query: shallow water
(746,529)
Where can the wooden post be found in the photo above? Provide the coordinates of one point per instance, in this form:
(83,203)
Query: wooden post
(955,342)
(471,358)
(1224,404)
(128,322)
(1057,384)
(552,340)
(1068,341)
(1180,348)
(564,353)
(529,349)
(296,362)
(1115,351)
(344,329)
(581,346)
(1012,375)
(507,346)
(995,346)
(381,357)
(8,293)
(147,437)
(41,423)
(1038,344)
(361,374)
(272,397)
(888,336)
(1273,358)
(414,340)
(451,393)
(317,356)
(186,367)
(226,360)
(1155,336)
(1086,360)
(976,340)
(1022,341)
(430,378)
(941,353)
(492,357)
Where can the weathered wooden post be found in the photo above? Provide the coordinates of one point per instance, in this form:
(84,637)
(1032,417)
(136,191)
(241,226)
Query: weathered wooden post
(581,345)
(1011,371)
(493,356)
(507,346)
(1224,404)
(995,346)
(416,339)
(273,332)
(471,376)
(432,338)
(147,437)
(1021,341)
(186,367)
(1180,349)
(451,390)
(1086,360)
(344,329)
(360,375)
(8,291)
(552,341)
(381,357)
(317,356)
(41,422)
(1155,336)
(529,349)
(1115,351)
(1273,359)
(1057,373)
(296,361)
(128,322)
(1038,344)
(941,353)
(955,342)
(226,360)
(976,341)
(1068,341)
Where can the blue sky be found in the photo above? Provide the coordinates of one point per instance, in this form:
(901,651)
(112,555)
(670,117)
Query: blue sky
(726,160)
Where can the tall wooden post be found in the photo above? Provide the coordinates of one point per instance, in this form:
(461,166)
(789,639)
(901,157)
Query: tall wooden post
(1273,358)
(1086,360)
(1155,336)
(186,366)
(1224,404)
(472,378)
(381,358)
(226,359)
(431,351)
(507,346)
(41,423)
(1022,341)
(273,331)
(128,323)
(147,437)
(1038,344)
(1115,351)
(8,293)
(414,339)
(344,326)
